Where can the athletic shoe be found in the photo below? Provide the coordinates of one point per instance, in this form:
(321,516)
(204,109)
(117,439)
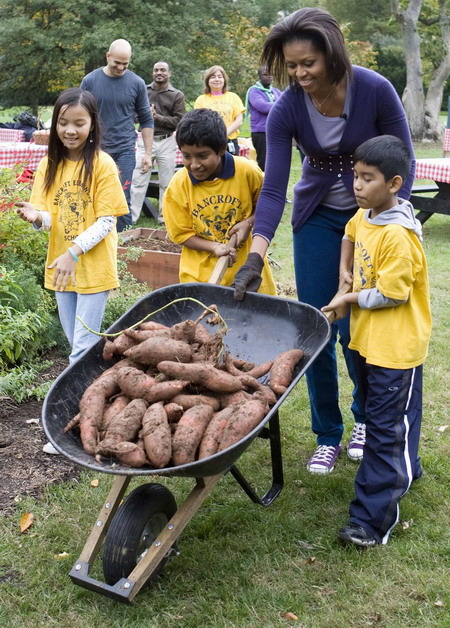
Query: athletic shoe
(355,447)
(49,449)
(323,459)
(357,535)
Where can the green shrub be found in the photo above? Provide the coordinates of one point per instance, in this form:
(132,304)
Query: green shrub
(20,382)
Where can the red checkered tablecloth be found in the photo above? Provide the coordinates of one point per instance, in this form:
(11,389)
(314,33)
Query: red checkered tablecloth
(447,140)
(437,169)
(12,135)
(12,153)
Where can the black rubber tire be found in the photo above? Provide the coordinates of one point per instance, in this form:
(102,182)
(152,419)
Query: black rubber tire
(135,526)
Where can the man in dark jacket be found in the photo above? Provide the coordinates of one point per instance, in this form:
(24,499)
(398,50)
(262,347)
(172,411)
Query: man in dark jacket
(168,107)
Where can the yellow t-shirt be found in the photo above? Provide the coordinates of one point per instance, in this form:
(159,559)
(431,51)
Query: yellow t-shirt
(391,259)
(73,208)
(209,209)
(229,105)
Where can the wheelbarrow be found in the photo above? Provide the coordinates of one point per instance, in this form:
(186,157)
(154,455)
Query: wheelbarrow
(139,534)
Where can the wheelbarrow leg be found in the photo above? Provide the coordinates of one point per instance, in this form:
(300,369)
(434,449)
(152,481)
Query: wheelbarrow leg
(170,533)
(81,569)
(126,589)
(273,434)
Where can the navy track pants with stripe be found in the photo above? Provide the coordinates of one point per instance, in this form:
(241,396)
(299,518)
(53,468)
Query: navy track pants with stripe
(390,462)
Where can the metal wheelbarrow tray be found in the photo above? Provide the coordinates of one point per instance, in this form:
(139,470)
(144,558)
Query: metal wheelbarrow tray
(259,328)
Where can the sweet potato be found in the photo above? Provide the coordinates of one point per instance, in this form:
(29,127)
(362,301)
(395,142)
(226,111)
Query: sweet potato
(124,426)
(282,370)
(138,335)
(204,374)
(229,398)
(134,383)
(118,404)
(152,325)
(72,423)
(211,438)
(189,432)
(243,421)
(129,454)
(118,346)
(173,411)
(157,436)
(260,369)
(163,391)
(155,350)
(92,404)
(253,384)
(184,331)
(188,401)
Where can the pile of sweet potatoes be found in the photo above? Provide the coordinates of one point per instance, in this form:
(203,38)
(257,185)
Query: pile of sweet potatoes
(174,395)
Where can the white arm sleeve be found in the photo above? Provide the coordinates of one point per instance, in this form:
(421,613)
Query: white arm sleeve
(372,299)
(95,233)
(46,224)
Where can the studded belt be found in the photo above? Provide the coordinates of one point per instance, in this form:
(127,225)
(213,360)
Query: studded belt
(162,137)
(337,164)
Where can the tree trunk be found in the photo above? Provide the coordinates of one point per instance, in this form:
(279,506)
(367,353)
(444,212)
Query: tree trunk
(422,111)
(413,95)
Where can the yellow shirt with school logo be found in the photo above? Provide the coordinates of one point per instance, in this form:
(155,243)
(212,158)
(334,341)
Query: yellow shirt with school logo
(390,258)
(209,209)
(73,207)
(228,105)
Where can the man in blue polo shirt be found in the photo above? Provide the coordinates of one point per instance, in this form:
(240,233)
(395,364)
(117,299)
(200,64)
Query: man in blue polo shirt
(121,94)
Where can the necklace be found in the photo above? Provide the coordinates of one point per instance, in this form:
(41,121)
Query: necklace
(318,105)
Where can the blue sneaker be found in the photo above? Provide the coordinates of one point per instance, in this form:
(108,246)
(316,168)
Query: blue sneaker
(323,459)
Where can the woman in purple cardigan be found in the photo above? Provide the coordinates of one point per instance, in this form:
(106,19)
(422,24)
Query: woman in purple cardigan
(329,109)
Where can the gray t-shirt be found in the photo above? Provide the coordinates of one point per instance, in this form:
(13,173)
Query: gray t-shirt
(118,100)
(328,132)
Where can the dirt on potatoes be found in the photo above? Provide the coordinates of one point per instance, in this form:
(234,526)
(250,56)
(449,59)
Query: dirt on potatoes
(24,468)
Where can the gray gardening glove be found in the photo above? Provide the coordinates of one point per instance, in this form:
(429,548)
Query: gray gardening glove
(248,277)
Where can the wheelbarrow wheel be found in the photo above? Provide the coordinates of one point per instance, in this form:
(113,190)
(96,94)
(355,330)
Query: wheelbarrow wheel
(135,526)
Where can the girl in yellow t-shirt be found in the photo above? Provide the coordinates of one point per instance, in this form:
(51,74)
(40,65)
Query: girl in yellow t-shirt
(227,104)
(76,196)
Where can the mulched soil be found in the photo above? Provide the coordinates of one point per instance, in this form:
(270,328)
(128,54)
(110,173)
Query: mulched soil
(153,244)
(25,468)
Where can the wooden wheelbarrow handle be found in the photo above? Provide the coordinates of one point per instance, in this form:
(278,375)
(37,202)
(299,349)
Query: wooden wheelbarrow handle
(222,264)
(345,289)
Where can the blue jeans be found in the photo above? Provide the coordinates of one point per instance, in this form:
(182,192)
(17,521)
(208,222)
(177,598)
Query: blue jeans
(90,308)
(126,162)
(317,247)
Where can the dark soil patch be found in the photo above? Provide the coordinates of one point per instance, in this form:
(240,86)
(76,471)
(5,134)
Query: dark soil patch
(25,468)
(153,244)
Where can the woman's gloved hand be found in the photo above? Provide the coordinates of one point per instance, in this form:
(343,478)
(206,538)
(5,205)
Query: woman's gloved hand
(248,278)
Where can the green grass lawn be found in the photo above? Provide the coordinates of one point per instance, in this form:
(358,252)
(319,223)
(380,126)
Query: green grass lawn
(243,566)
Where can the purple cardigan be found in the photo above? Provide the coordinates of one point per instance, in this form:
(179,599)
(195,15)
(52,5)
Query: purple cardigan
(375,109)
(259,107)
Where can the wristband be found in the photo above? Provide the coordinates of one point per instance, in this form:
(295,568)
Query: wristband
(247,220)
(73,254)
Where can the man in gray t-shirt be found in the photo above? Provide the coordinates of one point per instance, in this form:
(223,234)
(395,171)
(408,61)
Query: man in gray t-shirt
(121,95)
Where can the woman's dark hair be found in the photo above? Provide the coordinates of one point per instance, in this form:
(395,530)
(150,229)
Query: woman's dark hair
(314,25)
(387,153)
(57,152)
(212,70)
(202,127)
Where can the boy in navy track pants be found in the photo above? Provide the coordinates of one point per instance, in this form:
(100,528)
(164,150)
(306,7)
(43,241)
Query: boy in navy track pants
(390,325)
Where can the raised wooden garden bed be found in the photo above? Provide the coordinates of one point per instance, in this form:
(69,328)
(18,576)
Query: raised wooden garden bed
(159,265)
